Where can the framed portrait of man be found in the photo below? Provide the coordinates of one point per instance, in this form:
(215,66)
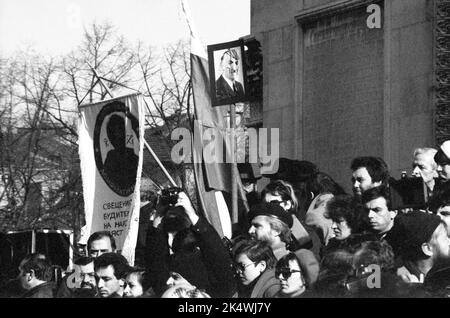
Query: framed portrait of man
(227,73)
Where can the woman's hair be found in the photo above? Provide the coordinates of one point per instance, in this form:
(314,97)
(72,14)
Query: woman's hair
(283,189)
(323,183)
(335,267)
(284,263)
(440,198)
(256,251)
(139,272)
(374,252)
(348,208)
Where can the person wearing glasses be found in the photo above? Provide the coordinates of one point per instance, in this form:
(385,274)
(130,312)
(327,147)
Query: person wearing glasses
(254,265)
(282,193)
(289,271)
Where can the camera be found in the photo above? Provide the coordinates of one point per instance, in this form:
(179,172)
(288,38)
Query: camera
(408,192)
(169,196)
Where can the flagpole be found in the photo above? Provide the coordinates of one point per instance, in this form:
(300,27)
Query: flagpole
(234,176)
(159,163)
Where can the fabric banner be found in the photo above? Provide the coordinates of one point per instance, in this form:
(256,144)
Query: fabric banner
(111,153)
(211,178)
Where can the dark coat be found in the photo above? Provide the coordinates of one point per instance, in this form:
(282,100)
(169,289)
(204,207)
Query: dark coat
(223,90)
(45,290)
(208,266)
(267,285)
(437,281)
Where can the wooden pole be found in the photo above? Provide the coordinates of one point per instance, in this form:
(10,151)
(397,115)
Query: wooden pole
(234,176)
(159,163)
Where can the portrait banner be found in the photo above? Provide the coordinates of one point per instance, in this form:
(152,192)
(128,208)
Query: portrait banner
(111,152)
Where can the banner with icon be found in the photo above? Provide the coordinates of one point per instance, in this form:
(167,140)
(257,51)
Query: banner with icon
(111,152)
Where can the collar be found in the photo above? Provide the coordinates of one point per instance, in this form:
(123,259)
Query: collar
(280,250)
(230,83)
(413,269)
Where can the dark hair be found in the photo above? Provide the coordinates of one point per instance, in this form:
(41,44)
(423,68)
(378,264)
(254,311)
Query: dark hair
(232,53)
(284,263)
(375,193)
(335,268)
(83,261)
(374,252)
(115,130)
(141,276)
(41,267)
(441,159)
(376,167)
(256,251)
(348,208)
(440,198)
(185,241)
(338,261)
(33,257)
(323,183)
(283,189)
(98,236)
(117,261)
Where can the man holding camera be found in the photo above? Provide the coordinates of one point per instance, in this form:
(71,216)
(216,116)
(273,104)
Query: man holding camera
(181,241)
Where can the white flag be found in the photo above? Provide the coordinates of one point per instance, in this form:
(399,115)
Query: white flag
(111,152)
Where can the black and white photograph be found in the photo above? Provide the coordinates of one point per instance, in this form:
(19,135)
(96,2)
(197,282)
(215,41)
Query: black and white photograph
(227,73)
(244,152)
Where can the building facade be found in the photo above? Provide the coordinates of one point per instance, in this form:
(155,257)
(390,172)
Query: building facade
(347,78)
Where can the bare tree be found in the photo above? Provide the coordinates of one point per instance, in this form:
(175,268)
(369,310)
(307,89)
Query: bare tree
(38,156)
(40,174)
(109,54)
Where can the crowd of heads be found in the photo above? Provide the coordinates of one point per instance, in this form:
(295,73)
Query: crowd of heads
(306,237)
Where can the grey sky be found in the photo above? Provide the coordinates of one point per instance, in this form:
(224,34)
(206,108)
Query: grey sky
(55,26)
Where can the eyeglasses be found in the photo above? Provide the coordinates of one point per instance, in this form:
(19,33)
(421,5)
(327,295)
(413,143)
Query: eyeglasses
(242,267)
(277,201)
(286,272)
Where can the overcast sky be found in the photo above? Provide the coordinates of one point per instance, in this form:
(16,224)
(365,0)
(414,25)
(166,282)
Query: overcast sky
(55,27)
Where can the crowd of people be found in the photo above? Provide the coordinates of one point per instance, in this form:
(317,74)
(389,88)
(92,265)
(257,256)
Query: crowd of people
(304,237)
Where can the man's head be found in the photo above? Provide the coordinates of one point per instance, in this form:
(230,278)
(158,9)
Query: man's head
(425,237)
(424,165)
(110,272)
(230,64)
(367,173)
(282,193)
(116,131)
(87,273)
(347,215)
(270,223)
(34,270)
(100,243)
(442,159)
(440,204)
(376,200)
(250,175)
(134,283)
